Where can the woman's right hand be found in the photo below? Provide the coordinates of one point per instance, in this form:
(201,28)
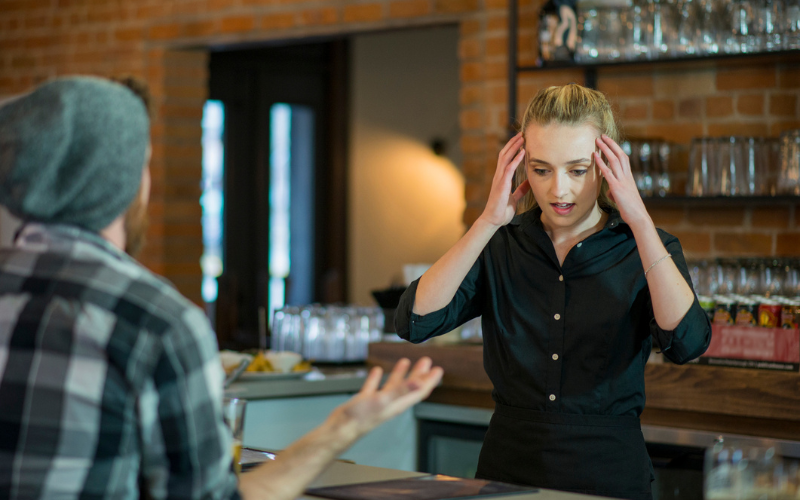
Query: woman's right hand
(502,203)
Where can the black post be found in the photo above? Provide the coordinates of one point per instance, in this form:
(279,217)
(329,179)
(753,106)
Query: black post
(512,65)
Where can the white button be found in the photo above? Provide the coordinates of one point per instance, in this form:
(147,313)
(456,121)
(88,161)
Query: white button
(557,316)
(561,278)
(552,397)
(555,357)
(579,244)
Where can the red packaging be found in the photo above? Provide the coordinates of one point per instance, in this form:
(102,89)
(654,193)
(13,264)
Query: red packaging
(769,315)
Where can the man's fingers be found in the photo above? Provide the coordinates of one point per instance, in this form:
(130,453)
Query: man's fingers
(398,373)
(373,380)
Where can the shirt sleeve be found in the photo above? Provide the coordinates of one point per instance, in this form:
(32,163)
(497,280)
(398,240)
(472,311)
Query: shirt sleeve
(465,305)
(691,337)
(186,446)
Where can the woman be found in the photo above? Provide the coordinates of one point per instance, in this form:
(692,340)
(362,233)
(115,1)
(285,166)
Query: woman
(571,291)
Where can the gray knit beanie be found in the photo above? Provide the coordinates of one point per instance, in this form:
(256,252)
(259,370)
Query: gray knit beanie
(72,151)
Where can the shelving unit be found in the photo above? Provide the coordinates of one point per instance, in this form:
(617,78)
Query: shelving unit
(590,71)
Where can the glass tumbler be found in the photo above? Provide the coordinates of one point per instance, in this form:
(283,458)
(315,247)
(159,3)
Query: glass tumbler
(789,173)
(702,161)
(738,471)
(233,415)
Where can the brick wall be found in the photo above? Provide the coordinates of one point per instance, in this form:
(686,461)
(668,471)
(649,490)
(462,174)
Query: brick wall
(165,42)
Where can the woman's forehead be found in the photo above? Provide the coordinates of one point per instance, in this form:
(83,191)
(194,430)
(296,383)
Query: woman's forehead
(559,141)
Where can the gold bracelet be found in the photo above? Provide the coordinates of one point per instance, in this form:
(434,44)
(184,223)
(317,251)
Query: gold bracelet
(654,264)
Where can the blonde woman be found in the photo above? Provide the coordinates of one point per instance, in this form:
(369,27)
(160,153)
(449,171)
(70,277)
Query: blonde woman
(573,282)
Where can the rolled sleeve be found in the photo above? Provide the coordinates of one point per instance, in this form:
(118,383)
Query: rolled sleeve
(691,337)
(464,306)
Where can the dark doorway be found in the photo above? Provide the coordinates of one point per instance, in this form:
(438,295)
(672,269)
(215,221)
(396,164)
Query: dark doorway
(284,181)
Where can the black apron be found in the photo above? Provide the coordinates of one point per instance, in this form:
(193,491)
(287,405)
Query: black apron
(591,454)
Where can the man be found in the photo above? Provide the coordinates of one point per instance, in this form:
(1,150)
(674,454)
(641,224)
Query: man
(110,380)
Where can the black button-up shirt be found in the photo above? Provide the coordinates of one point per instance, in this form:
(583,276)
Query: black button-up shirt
(571,338)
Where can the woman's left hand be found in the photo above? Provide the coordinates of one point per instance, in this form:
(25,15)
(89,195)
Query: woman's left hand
(621,184)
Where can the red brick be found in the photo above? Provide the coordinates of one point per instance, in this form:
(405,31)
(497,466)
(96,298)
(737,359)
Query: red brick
(470,94)
(474,192)
(776,128)
(749,77)
(497,23)
(666,216)
(737,128)
(471,119)
(719,106)
(277,21)
(409,8)
(770,217)
(471,144)
(663,110)
(151,11)
(469,48)
(743,244)
(626,85)
(38,42)
(496,71)
(469,27)
(783,104)
(751,104)
(789,76)
(237,24)
(694,242)
(676,132)
(690,108)
(497,46)
(716,216)
(499,95)
(471,71)
(165,31)
(471,214)
(37,22)
(636,111)
(327,15)
(455,6)
(788,244)
(361,13)
(128,35)
(472,169)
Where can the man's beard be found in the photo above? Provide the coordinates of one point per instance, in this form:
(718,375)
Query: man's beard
(135,226)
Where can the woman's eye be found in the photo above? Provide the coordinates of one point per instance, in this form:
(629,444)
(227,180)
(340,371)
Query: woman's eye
(540,171)
(579,172)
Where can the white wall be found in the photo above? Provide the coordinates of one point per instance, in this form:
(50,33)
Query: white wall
(406,204)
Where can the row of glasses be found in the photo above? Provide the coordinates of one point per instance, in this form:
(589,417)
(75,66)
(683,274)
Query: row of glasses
(750,468)
(650,160)
(652,29)
(331,334)
(733,166)
(746,276)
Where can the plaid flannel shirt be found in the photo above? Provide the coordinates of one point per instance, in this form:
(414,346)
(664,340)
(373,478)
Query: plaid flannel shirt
(110,380)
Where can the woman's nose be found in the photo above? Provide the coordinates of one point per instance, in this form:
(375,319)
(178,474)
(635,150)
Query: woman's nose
(559,187)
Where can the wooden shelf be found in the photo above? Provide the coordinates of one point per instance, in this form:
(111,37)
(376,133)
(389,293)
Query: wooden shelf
(719,201)
(726,400)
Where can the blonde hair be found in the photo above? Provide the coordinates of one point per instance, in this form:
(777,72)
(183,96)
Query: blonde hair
(568,105)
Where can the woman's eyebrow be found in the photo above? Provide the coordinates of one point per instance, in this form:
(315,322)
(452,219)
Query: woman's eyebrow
(571,162)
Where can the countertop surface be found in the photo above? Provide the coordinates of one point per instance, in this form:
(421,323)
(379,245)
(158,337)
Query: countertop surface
(342,473)
(319,381)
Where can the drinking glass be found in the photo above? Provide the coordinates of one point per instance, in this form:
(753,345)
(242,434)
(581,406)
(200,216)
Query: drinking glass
(610,31)
(663,181)
(791,28)
(702,161)
(664,14)
(588,34)
(771,23)
(637,34)
(687,21)
(789,173)
(745,25)
(726,179)
(233,410)
(707,28)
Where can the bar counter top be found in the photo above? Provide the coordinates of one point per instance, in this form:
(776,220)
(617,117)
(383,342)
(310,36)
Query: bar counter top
(343,473)
(320,381)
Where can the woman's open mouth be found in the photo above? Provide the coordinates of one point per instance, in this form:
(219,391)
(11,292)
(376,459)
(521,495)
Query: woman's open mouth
(562,208)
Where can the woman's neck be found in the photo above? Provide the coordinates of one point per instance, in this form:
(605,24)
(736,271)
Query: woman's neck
(591,224)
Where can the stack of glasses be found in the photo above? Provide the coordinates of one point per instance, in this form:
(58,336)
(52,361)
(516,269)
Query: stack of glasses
(653,29)
(331,334)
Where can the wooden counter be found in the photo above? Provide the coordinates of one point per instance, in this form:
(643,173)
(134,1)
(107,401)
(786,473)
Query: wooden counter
(725,400)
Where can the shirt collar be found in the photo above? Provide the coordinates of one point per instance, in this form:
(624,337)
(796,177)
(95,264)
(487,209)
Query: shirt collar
(534,216)
(38,233)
